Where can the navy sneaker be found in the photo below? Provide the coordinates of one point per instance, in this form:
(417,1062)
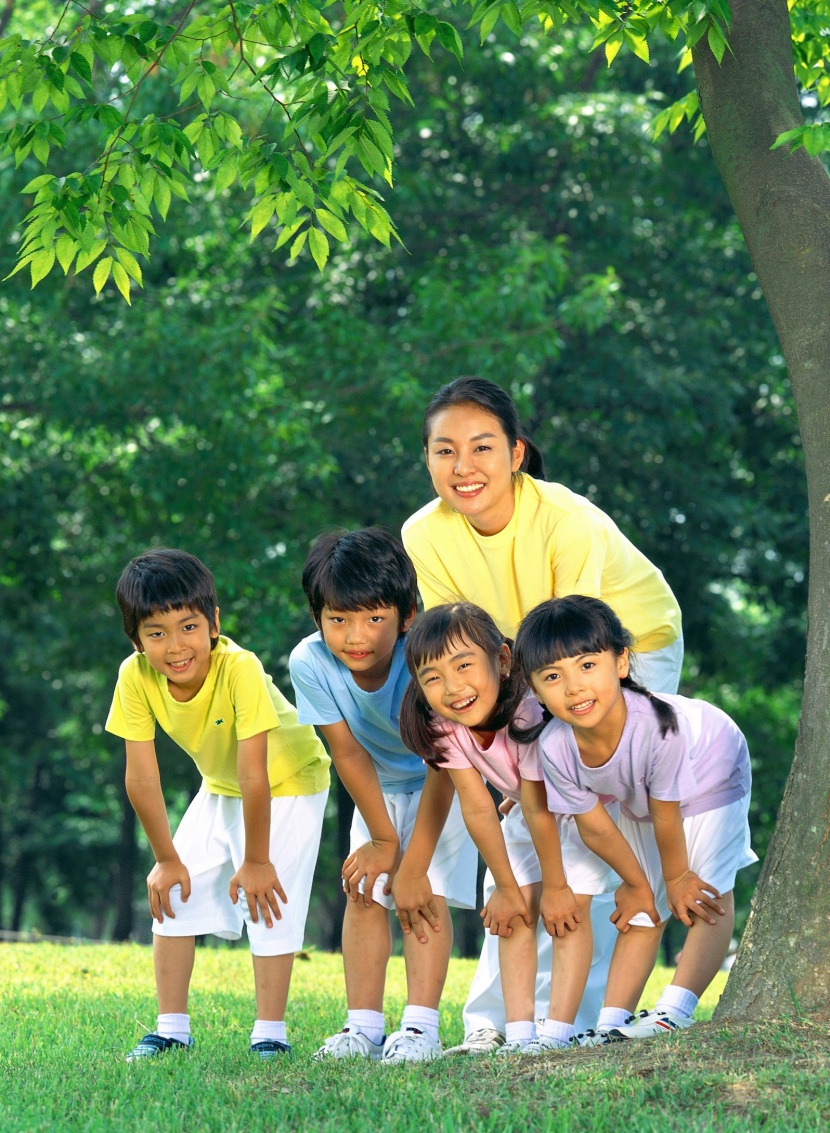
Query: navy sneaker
(152,1045)
(270,1048)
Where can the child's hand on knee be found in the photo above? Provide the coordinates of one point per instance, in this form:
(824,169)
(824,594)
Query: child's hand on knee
(690,897)
(262,887)
(559,910)
(631,900)
(503,907)
(415,904)
(160,880)
(369,861)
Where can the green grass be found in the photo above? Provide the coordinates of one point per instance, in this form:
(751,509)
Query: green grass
(70,1013)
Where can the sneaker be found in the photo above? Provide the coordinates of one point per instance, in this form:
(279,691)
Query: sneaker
(486,1040)
(410,1045)
(602,1036)
(152,1045)
(270,1048)
(349,1044)
(513,1046)
(650,1023)
(543,1043)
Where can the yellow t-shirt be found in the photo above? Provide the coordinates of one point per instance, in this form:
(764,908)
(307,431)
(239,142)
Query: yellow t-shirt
(556,543)
(238,700)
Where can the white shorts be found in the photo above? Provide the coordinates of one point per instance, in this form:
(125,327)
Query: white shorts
(585,872)
(659,671)
(210,841)
(717,843)
(454,866)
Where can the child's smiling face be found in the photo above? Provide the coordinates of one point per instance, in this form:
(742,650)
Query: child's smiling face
(585,690)
(177,644)
(463,684)
(364,640)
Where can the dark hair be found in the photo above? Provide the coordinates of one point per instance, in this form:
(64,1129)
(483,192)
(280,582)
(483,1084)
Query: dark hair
(492,399)
(358,570)
(569,627)
(430,637)
(164,579)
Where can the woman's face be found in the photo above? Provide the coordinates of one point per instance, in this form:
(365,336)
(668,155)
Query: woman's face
(472,463)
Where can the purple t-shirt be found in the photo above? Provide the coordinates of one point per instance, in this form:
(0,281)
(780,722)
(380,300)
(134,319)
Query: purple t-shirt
(704,766)
(504,763)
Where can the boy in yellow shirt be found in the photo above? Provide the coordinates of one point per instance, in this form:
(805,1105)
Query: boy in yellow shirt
(245,849)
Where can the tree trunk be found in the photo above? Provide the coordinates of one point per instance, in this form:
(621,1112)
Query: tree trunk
(782,201)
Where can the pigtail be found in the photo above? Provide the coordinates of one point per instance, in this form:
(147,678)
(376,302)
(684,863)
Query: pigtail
(420,727)
(666,715)
(532,733)
(533,463)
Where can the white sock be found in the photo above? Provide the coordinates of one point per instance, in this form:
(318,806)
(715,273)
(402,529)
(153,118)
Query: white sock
(613,1017)
(525,1030)
(369,1023)
(679,1000)
(420,1019)
(561,1033)
(174,1026)
(265,1029)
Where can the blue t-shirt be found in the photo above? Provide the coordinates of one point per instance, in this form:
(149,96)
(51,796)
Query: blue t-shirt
(326,693)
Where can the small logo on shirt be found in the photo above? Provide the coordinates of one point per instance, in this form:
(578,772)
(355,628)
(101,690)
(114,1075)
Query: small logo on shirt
(218,722)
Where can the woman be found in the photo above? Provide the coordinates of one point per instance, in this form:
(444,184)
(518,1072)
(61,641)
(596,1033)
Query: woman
(502,537)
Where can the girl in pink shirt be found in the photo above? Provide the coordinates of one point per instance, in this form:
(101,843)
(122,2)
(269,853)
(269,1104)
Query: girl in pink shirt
(679,770)
(455,714)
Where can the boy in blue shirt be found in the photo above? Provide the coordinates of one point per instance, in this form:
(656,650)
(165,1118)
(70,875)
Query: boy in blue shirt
(245,850)
(349,679)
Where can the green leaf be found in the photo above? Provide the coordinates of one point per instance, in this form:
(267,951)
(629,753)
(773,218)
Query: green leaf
(206,90)
(717,43)
(298,244)
(101,273)
(331,224)
(37,183)
(40,97)
(449,38)
(122,281)
(130,263)
(41,264)
(261,214)
(319,245)
(162,196)
(638,44)
(510,15)
(227,171)
(86,258)
(612,47)
(489,19)
(65,250)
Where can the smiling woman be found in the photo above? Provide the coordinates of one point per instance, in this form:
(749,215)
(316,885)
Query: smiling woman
(500,536)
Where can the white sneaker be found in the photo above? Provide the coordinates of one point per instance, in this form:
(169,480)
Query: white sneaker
(486,1040)
(513,1046)
(349,1044)
(650,1023)
(410,1045)
(543,1043)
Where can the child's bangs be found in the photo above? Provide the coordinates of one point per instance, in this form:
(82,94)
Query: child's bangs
(548,635)
(442,628)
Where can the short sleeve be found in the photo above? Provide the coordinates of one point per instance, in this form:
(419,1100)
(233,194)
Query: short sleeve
(254,710)
(450,747)
(433,590)
(315,703)
(530,762)
(566,793)
(580,550)
(670,777)
(130,716)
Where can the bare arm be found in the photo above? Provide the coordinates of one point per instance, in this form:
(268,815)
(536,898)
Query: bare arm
(358,774)
(557,906)
(411,889)
(688,895)
(601,835)
(483,824)
(256,876)
(143,785)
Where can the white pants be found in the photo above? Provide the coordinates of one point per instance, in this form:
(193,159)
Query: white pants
(659,672)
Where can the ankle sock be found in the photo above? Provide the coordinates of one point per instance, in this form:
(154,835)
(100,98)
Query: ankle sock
(613,1017)
(420,1019)
(561,1033)
(524,1030)
(677,999)
(267,1029)
(174,1026)
(369,1023)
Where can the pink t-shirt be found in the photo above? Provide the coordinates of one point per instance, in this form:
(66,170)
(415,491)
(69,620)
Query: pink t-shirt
(703,767)
(504,763)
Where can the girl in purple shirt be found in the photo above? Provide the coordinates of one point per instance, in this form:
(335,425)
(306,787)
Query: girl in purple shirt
(455,714)
(679,770)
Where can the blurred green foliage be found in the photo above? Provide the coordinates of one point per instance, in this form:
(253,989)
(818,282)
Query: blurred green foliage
(244,403)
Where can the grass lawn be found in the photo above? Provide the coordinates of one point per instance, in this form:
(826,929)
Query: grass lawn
(70,1014)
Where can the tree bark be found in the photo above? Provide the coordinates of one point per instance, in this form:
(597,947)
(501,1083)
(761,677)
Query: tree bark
(782,201)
